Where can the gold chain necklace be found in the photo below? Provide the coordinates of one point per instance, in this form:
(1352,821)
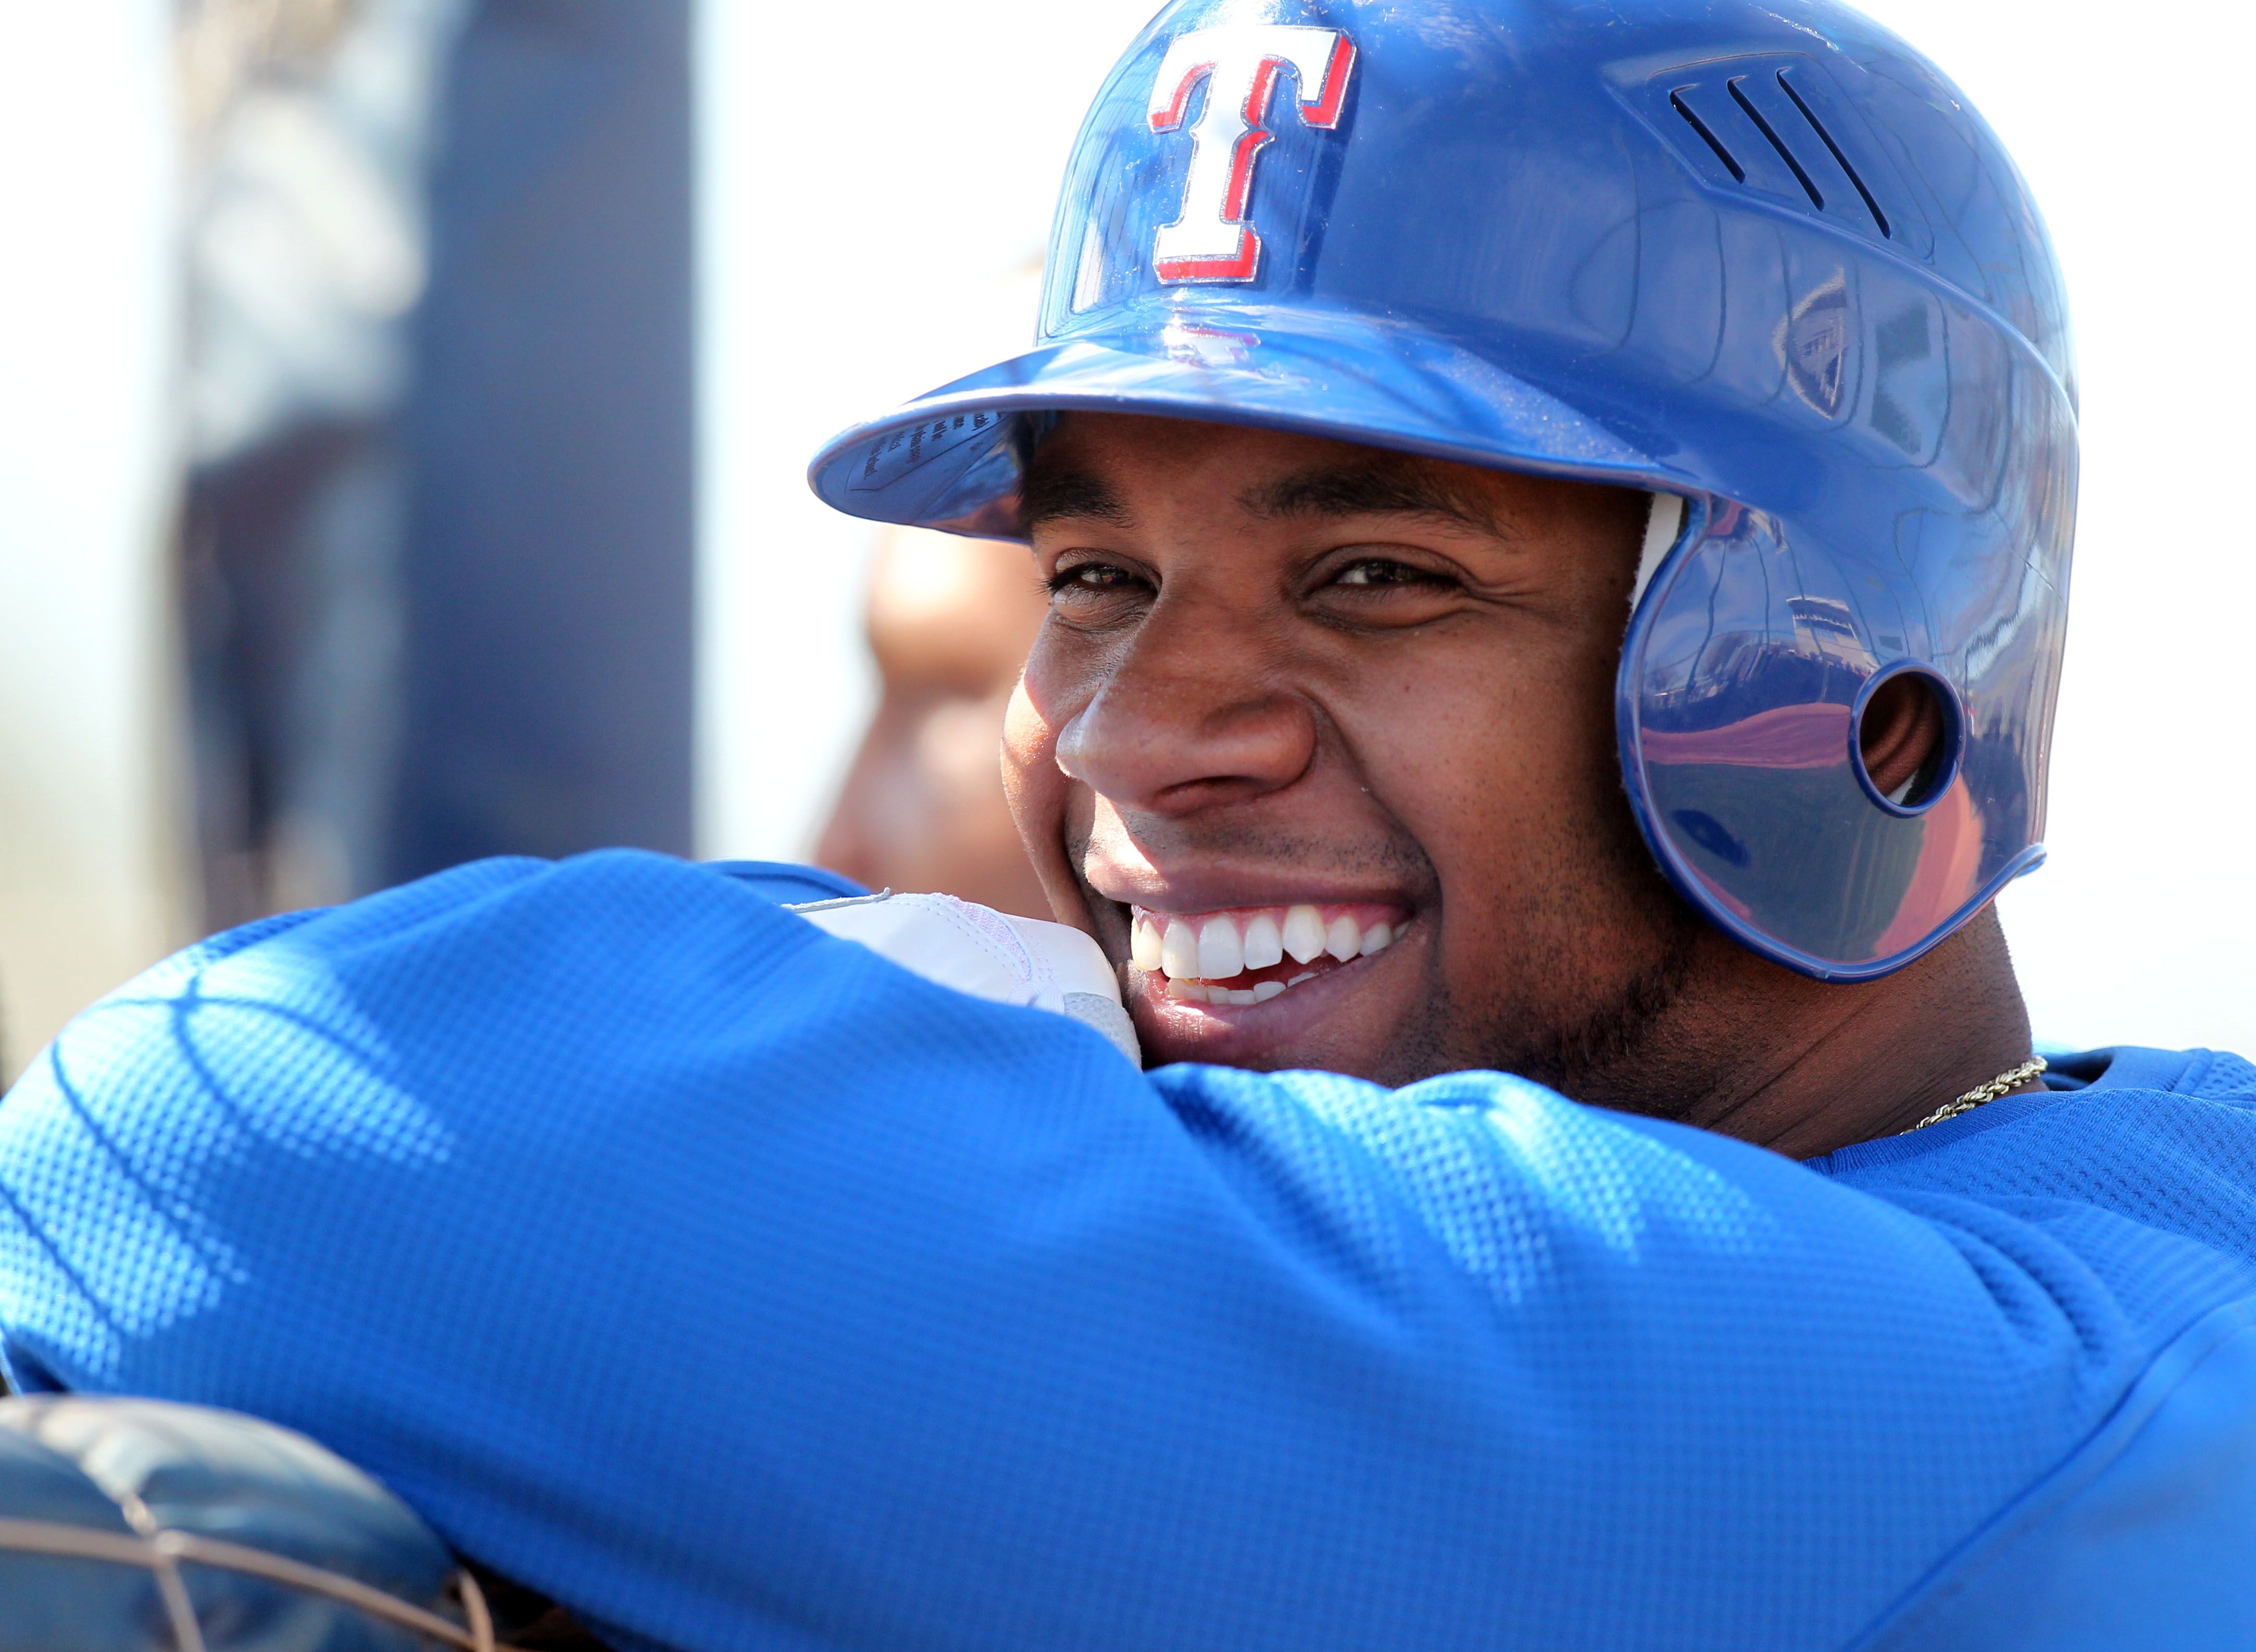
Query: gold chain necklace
(2011,1078)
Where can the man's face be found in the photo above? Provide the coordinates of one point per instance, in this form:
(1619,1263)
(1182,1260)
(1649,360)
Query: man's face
(1320,740)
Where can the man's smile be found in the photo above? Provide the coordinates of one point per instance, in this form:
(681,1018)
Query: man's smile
(1226,986)
(1250,954)
(1252,983)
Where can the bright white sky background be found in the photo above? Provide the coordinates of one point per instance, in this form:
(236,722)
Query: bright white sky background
(2143,926)
(877,175)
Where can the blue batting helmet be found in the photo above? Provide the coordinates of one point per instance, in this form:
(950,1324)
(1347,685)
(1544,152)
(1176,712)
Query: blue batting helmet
(1760,258)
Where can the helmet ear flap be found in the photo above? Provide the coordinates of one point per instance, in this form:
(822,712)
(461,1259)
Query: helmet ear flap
(1805,791)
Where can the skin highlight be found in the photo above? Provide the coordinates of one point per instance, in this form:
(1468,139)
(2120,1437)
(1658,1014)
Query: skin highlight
(1277,668)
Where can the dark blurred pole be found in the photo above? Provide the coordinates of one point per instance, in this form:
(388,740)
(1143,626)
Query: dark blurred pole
(550,555)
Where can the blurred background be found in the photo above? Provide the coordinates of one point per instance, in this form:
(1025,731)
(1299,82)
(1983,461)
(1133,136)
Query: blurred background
(404,406)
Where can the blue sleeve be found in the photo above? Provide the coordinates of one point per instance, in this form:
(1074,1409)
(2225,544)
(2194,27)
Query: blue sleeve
(744,1291)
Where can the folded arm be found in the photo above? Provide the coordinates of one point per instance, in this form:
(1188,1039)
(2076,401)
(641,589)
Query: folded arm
(738,1289)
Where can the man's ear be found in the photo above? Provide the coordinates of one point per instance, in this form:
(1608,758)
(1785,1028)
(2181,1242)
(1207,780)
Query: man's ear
(1901,736)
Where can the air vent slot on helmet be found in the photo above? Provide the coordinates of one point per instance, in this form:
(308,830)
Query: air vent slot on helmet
(1863,192)
(1776,130)
(1737,86)
(1677,102)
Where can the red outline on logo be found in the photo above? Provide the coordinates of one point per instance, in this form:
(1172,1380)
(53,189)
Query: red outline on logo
(1240,267)
(1167,119)
(1326,113)
(1323,115)
(1258,137)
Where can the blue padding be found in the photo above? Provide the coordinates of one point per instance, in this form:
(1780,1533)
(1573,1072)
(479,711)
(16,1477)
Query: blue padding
(78,1462)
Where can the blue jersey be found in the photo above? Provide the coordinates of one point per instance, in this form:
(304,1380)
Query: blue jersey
(742,1290)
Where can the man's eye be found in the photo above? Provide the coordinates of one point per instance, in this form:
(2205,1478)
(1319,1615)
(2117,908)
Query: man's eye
(1378,570)
(1091,577)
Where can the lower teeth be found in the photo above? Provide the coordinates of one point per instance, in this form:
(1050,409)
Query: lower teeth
(1259,993)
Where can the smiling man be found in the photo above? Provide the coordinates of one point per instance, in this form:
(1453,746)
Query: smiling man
(1556,520)
(1301,704)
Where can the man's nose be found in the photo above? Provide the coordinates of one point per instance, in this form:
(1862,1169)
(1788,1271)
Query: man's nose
(1193,714)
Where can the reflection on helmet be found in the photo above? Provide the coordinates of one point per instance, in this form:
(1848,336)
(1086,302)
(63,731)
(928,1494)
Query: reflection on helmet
(1763,257)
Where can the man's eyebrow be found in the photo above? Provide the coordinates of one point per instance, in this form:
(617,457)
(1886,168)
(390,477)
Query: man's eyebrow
(1048,492)
(1389,488)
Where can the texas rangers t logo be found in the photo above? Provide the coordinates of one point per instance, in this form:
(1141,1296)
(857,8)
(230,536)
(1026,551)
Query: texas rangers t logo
(1212,241)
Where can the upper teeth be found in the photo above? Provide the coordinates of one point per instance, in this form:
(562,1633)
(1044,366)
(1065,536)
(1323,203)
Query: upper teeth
(1265,943)
(1176,952)
(1225,944)
(1220,952)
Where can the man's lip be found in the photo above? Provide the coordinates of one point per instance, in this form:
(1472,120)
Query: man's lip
(1391,910)
(1247,957)
(1190,894)
(1246,1035)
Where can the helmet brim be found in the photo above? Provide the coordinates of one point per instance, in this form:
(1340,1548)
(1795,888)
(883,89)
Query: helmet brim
(951,459)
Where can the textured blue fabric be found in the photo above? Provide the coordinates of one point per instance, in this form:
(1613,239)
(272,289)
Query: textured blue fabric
(787,885)
(742,1290)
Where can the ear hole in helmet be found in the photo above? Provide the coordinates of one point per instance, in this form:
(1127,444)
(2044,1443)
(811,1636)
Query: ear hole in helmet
(1907,733)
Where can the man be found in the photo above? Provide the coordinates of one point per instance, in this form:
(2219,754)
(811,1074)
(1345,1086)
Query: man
(740,1288)
(949,621)
(1289,675)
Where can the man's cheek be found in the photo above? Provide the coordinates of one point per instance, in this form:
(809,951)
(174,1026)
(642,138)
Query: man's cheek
(1041,799)
(1499,808)
(1461,785)
(1028,744)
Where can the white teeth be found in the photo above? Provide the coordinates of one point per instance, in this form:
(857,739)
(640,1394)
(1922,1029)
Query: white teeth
(1179,952)
(1220,953)
(1223,947)
(1304,934)
(1263,945)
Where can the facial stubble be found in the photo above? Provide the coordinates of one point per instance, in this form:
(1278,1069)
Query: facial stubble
(1634,957)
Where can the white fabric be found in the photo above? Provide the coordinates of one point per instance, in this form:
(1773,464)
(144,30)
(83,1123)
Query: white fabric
(988,954)
(1662,524)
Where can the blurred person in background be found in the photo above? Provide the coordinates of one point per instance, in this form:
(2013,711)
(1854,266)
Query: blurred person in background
(438,531)
(307,135)
(949,622)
